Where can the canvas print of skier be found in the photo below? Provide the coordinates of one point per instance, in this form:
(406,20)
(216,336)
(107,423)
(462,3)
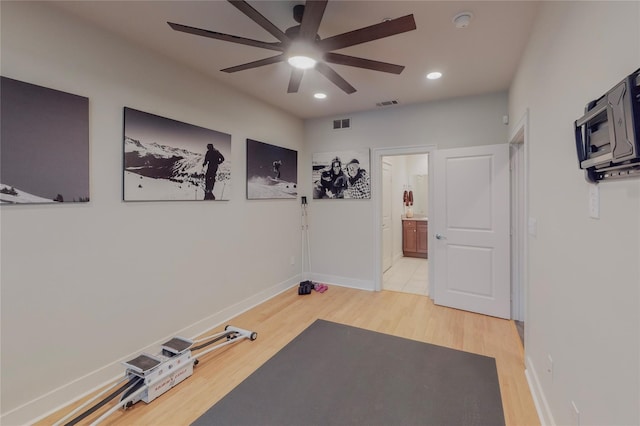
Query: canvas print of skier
(44,140)
(165,159)
(272,171)
(341,174)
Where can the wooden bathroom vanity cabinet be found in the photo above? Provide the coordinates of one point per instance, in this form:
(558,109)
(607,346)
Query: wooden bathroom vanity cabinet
(414,237)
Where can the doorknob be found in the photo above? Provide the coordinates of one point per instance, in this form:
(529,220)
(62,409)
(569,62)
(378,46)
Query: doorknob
(440,237)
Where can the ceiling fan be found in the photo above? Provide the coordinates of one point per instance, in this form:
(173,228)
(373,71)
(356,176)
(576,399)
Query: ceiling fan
(303,41)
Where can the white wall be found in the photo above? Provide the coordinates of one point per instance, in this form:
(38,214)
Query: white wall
(87,285)
(584,280)
(342,243)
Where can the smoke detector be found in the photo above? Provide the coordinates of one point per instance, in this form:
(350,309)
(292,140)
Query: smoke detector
(462,19)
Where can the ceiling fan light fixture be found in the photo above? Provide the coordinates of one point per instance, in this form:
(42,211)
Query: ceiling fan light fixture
(302,47)
(302,62)
(302,55)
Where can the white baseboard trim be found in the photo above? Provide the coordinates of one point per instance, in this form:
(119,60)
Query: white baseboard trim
(43,406)
(342,281)
(539,399)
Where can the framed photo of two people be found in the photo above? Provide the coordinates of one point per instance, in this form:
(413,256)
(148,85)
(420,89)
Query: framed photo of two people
(341,175)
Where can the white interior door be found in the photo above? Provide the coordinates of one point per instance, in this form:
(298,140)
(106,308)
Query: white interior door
(387,236)
(472,213)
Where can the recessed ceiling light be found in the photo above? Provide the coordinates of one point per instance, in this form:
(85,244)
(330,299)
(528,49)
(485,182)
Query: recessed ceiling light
(320,96)
(434,75)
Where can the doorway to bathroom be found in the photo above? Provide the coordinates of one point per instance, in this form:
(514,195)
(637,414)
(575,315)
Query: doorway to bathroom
(404,214)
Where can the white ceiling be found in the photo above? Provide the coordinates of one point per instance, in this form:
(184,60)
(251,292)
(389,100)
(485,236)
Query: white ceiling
(481,58)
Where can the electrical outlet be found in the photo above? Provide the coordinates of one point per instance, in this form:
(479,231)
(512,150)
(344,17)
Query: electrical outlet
(575,414)
(292,260)
(550,366)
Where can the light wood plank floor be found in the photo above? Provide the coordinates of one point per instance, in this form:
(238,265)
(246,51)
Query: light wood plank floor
(280,319)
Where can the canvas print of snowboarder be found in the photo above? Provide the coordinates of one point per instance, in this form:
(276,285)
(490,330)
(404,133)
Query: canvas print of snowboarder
(342,174)
(44,140)
(165,159)
(272,171)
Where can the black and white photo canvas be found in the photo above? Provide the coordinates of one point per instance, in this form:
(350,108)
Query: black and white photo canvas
(341,174)
(165,159)
(272,171)
(44,144)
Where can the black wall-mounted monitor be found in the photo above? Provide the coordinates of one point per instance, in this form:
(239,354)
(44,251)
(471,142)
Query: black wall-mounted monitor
(608,134)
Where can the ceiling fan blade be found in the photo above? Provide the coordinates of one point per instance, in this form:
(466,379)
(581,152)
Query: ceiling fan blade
(294,81)
(373,32)
(255,64)
(256,17)
(226,37)
(334,77)
(352,61)
(313,12)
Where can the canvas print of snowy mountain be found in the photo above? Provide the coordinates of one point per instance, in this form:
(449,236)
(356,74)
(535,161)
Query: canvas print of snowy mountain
(341,174)
(165,159)
(44,140)
(272,171)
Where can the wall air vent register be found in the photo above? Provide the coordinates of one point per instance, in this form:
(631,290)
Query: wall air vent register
(387,103)
(343,123)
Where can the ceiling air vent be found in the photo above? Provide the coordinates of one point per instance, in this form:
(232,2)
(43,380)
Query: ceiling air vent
(387,103)
(343,123)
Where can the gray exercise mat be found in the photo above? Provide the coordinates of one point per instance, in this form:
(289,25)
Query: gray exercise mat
(333,374)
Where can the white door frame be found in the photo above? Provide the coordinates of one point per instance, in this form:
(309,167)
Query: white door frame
(520,252)
(519,134)
(376,198)
(387,199)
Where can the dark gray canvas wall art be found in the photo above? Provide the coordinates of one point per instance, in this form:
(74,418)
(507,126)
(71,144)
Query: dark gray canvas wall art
(44,147)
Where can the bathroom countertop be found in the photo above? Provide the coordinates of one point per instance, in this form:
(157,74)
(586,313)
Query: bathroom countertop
(425,218)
